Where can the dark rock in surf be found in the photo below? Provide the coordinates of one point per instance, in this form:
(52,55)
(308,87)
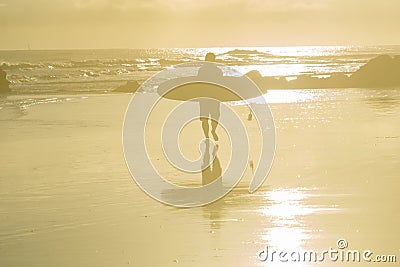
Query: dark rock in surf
(129,87)
(380,72)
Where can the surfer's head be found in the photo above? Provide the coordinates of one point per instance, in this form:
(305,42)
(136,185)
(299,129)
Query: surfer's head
(210,57)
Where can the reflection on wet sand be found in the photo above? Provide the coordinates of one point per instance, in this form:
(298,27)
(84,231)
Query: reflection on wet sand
(384,101)
(287,209)
(211,171)
(278,218)
(211,176)
(281,213)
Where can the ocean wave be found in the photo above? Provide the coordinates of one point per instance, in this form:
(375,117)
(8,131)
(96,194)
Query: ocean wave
(21,66)
(133,64)
(98,69)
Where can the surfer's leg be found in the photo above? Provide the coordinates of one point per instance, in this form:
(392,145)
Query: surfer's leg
(204,125)
(214,125)
(215,114)
(204,115)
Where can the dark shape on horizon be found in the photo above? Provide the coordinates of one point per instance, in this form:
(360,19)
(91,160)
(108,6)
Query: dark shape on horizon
(4,83)
(244,52)
(380,72)
(129,87)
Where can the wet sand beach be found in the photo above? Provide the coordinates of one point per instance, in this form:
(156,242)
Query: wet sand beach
(67,198)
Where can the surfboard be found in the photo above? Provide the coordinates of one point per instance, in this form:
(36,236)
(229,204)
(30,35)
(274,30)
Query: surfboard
(223,88)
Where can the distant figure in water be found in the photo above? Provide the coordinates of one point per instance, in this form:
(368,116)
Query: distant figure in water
(209,109)
(4,83)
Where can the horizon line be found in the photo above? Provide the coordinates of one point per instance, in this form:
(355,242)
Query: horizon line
(211,47)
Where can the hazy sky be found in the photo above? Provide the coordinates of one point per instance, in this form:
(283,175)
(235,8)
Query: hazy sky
(45,24)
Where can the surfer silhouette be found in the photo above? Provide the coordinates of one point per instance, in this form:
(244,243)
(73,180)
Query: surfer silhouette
(209,109)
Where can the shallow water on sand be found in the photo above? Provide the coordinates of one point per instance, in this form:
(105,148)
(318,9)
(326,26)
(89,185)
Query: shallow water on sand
(67,198)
